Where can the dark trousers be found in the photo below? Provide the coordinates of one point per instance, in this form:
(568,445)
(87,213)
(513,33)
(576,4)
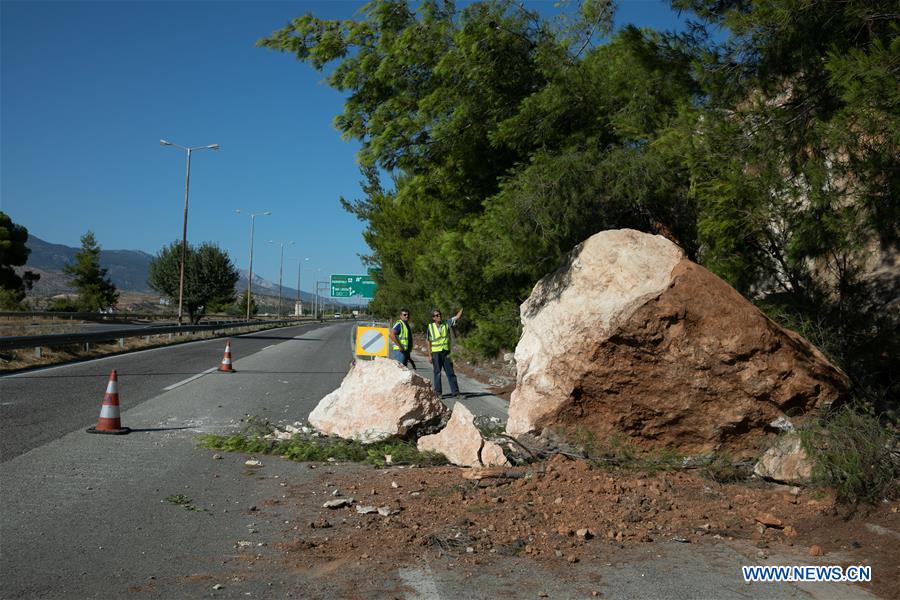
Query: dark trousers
(404,358)
(441,360)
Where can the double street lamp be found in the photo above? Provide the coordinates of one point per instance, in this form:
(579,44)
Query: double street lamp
(187,182)
(250,268)
(280,269)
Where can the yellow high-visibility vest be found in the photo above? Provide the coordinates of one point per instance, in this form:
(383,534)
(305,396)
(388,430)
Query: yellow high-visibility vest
(439,336)
(402,337)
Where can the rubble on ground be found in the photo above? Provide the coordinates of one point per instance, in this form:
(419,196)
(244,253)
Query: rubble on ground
(629,338)
(558,506)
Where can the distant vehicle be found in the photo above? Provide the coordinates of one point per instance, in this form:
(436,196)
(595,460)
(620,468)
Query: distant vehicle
(337,315)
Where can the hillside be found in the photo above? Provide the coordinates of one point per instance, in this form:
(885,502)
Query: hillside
(128,270)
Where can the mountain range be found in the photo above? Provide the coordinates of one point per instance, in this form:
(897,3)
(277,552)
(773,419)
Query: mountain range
(127,269)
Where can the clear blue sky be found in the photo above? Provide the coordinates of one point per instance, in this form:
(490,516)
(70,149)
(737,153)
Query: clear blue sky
(87,90)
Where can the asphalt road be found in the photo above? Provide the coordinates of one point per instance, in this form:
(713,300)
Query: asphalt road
(95,516)
(86,516)
(39,406)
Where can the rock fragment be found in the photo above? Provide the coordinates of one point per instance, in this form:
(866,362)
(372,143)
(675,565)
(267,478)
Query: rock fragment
(462,443)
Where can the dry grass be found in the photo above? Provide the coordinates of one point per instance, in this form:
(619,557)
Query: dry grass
(26,358)
(13,326)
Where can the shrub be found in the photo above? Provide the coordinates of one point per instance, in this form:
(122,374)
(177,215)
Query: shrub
(495,331)
(855,453)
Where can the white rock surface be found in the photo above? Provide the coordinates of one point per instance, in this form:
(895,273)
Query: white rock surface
(611,276)
(462,443)
(786,461)
(376,400)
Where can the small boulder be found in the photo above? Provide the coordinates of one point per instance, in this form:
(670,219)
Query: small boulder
(786,461)
(462,443)
(378,399)
(770,520)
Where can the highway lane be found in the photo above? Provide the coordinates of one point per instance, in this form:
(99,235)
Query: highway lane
(86,516)
(39,406)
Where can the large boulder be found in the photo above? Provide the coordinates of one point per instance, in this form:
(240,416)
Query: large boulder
(631,338)
(462,443)
(376,400)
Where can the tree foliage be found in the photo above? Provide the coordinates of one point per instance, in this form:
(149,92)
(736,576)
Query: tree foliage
(239,307)
(13,253)
(209,277)
(494,140)
(797,170)
(95,290)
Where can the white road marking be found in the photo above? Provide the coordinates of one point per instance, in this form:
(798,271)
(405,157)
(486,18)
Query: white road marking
(189,379)
(422,583)
(270,346)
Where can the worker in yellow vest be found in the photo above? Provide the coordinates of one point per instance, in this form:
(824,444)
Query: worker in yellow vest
(439,351)
(401,339)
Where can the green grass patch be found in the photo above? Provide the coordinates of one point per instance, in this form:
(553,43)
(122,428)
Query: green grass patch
(184,502)
(302,448)
(179,499)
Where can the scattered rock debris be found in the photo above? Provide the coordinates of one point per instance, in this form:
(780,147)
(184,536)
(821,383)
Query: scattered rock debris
(469,516)
(514,511)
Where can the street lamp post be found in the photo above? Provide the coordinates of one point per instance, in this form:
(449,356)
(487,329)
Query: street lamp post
(280,270)
(299,269)
(250,268)
(187,182)
(319,305)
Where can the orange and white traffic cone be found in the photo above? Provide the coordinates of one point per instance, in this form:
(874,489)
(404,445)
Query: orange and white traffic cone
(226,367)
(110,422)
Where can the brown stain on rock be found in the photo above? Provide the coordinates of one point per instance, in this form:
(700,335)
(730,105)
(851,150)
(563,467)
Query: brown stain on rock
(698,368)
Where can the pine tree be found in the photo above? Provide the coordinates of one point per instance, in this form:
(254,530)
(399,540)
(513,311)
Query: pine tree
(95,291)
(13,253)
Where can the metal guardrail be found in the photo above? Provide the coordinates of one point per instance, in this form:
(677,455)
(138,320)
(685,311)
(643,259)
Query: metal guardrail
(65,339)
(86,316)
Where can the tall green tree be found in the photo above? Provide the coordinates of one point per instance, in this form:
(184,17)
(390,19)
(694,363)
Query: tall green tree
(13,253)
(491,123)
(209,277)
(493,141)
(796,168)
(95,290)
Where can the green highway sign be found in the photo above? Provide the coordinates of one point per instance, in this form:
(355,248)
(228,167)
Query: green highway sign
(347,286)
